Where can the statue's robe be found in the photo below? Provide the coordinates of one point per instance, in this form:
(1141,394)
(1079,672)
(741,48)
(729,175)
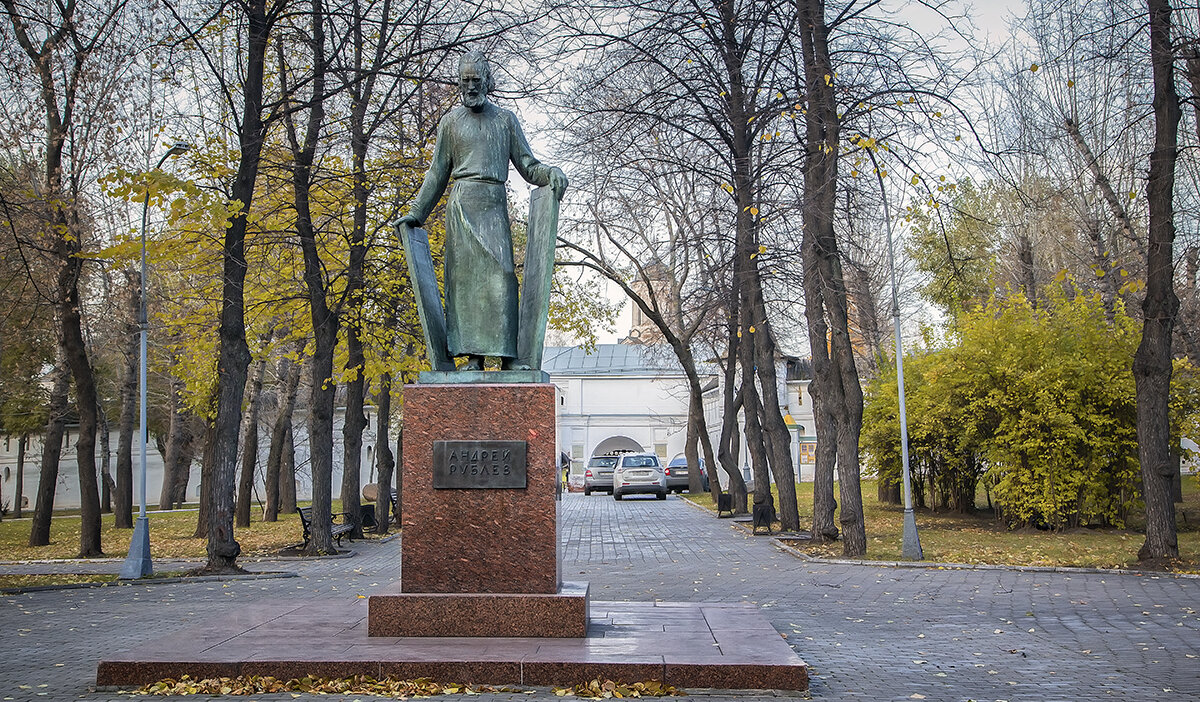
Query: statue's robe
(473,150)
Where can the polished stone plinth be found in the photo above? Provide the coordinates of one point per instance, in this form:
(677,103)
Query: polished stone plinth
(682,644)
(561,615)
(461,377)
(480,540)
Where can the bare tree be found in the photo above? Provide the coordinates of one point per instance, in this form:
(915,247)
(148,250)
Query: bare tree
(1152,362)
(61,46)
(707,75)
(244,99)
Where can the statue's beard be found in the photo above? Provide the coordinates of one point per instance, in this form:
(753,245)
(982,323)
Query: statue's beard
(474,101)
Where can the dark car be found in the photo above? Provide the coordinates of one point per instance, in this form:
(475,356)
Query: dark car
(599,474)
(677,474)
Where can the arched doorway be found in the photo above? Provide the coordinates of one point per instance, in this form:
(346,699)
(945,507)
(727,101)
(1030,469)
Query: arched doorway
(614,444)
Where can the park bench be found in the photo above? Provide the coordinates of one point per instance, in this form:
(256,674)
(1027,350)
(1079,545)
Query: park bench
(336,530)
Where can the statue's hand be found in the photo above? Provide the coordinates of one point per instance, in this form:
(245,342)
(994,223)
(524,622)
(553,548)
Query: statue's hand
(558,182)
(409,219)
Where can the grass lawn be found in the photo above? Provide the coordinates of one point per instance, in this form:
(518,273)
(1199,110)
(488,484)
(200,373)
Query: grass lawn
(979,538)
(170,536)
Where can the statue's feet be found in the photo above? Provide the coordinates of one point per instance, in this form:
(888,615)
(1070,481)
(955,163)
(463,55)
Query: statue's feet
(512,364)
(474,363)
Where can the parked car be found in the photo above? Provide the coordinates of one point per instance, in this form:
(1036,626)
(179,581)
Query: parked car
(599,474)
(677,474)
(639,473)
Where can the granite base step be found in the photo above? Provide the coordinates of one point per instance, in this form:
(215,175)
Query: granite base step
(688,645)
(560,615)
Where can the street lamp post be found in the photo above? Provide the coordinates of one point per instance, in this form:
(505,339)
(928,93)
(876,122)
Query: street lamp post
(910,545)
(137,561)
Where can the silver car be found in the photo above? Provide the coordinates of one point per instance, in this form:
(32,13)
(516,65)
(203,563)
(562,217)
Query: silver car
(599,474)
(639,473)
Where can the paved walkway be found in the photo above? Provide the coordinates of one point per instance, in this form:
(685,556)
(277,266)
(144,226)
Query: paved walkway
(869,632)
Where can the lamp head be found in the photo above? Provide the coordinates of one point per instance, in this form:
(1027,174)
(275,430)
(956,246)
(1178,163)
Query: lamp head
(178,148)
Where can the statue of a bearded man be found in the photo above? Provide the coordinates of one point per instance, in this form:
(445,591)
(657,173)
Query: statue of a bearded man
(475,144)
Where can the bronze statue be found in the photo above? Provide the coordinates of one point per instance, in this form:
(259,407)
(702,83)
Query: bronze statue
(482,317)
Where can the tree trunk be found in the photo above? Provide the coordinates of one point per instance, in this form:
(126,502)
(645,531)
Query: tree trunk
(726,453)
(290,371)
(183,462)
(355,422)
(1102,263)
(854,533)
(18,502)
(74,346)
(287,472)
(1027,276)
(106,481)
(175,428)
(39,533)
(206,479)
(400,477)
(250,445)
(234,354)
(826,305)
(324,320)
(353,426)
(1152,362)
(888,493)
(1115,204)
(123,509)
(755,443)
(320,419)
(691,452)
(385,463)
(820,179)
(779,437)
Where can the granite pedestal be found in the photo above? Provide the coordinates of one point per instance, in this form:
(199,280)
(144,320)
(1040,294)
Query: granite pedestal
(480,561)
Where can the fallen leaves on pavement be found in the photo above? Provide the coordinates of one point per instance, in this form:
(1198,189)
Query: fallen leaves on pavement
(605,689)
(396,689)
(357,685)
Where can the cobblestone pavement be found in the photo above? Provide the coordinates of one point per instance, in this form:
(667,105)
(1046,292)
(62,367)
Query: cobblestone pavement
(868,632)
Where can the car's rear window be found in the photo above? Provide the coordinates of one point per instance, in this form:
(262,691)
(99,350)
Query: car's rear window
(606,462)
(640,461)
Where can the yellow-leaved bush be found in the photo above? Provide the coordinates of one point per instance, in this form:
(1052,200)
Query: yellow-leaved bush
(1037,405)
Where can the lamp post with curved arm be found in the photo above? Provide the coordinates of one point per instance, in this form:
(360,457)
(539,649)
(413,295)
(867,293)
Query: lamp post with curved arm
(910,545)
(137,562)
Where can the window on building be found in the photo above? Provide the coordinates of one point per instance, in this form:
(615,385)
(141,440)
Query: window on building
(577,458)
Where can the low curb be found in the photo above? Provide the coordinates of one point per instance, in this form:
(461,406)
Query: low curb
(931,565)
(148,581)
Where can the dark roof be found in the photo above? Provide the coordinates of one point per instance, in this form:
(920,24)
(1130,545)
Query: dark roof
(611,359)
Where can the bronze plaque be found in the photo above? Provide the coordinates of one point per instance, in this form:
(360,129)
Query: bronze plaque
(478,464)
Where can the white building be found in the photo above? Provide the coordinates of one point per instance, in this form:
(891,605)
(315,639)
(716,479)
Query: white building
(633,397)
(618,398)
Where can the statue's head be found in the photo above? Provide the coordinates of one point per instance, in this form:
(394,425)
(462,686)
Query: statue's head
(474,79)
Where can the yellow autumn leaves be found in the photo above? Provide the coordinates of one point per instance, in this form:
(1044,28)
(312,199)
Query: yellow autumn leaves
(387,687)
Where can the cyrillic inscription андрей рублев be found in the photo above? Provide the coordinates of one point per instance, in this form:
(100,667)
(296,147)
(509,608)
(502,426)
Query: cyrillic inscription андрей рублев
(479,464)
